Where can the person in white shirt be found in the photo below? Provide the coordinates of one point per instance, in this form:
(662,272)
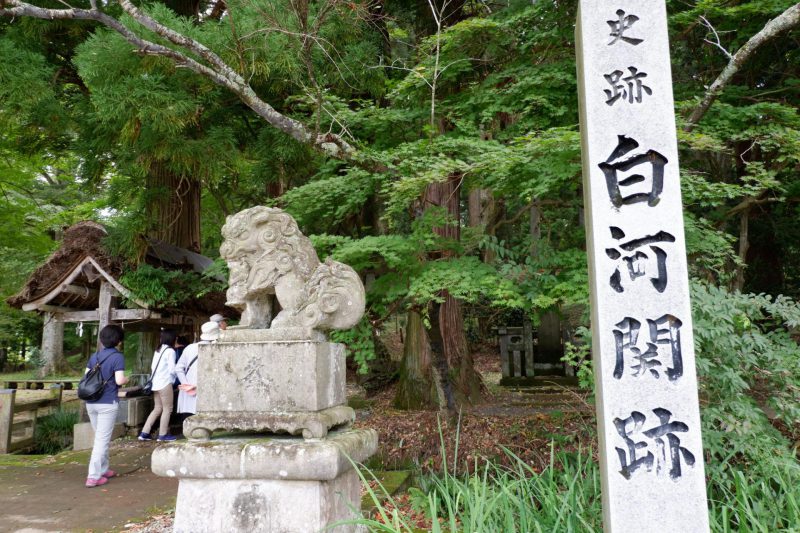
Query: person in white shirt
(186,370)
(163,374)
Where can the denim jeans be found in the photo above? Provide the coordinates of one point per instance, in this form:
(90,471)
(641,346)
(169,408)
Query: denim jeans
(102,416)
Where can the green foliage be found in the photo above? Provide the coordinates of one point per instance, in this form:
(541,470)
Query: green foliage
(467,279)
(564,497)
(359,342)
(579,357)
(710,251)
(158,287)
(54,431)
(744,352)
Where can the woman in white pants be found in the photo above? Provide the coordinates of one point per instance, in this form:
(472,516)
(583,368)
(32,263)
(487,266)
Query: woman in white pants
(103,411)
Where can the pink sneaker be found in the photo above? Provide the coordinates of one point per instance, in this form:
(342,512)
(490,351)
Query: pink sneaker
(109,474)
(90,482)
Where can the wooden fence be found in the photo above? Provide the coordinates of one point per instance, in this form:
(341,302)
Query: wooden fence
(18,419)
(40,384)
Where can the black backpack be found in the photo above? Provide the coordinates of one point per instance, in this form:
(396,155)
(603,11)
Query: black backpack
(91,386)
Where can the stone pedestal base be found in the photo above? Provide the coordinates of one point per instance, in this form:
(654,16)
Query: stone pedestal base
(311,425)
(258,505)
(83,435)
(267,484)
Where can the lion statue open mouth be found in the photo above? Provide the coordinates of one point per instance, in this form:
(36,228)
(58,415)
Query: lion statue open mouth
(268,255)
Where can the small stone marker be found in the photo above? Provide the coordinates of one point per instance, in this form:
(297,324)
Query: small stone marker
(651,453)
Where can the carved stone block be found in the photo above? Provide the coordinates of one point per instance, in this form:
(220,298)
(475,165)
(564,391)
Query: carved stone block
(291,376)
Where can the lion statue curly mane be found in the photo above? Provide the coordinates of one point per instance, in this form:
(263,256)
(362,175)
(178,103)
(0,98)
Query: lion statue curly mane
(270,259)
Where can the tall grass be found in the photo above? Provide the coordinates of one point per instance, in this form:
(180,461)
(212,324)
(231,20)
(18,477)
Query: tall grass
(565,497)
(494,498)
(758,505)
(54,432)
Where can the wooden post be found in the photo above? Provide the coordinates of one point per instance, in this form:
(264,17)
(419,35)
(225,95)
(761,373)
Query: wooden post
(527,339)
(6,417)
(52,344)
(56,392)
(104,308)
(148,342)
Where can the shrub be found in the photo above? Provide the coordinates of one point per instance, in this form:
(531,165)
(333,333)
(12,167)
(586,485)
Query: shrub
(54,431)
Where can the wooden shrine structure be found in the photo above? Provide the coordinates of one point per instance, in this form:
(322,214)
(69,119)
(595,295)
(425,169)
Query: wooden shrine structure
(80,282)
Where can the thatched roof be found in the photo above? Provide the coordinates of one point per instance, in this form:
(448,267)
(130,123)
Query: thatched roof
(81,240)
(70,279)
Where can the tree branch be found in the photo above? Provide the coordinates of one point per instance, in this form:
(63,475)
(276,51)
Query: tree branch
(219,72)
(533,203)
(749,202)
(787,20)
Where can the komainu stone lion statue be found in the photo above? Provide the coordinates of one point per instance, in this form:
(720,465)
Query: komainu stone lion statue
(266,255)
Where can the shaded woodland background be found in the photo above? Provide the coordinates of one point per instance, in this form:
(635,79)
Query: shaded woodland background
(431,145)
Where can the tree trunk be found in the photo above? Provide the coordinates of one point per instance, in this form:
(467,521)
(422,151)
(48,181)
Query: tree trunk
(175,208)
(451,320)
(148,342)
(453,363)
(52,346)
(744,246)
(460,365)
(482,211)
(417,388)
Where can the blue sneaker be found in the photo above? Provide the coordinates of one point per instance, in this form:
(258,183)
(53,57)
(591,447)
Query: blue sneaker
(167,438)
(145,436)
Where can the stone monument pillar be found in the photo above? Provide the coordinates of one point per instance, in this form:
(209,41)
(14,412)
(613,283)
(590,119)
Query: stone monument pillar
(651,454)
(270,448)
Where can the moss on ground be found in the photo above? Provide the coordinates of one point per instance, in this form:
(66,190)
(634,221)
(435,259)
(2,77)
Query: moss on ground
(358,402)
(391,482)
(37,461)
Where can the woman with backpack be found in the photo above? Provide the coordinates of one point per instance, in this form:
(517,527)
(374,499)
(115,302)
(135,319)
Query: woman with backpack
(103,410)
(162,376)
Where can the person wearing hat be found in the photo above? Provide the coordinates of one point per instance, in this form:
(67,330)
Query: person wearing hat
(219,319)
(186,370)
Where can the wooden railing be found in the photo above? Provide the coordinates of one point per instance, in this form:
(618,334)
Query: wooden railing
(18,419)
(39,384)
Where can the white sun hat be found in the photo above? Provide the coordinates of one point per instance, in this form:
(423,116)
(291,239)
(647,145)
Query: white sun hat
(218,318)
(209,331)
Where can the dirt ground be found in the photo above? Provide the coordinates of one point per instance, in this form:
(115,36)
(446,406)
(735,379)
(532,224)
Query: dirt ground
(48,493)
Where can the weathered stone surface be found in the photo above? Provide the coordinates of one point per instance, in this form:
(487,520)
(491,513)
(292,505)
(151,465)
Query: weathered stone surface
(83,435)
(266,505)
(134,411)
(276,458)
(651,452)
(234,334)
(267,254)
(285,379)
(270,376)
(311,425)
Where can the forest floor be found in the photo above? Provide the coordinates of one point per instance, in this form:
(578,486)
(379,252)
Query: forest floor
(524,421)
(531,423)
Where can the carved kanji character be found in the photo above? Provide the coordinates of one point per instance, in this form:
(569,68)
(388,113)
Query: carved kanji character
(620,26)
(613,167)
(635,264)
